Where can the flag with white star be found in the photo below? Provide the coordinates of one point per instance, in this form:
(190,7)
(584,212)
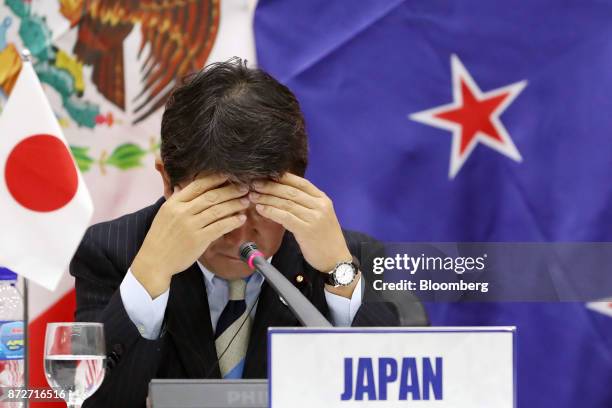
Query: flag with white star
(473,117)
(466,121)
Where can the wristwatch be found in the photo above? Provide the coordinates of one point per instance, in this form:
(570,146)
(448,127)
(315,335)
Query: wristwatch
(343,274)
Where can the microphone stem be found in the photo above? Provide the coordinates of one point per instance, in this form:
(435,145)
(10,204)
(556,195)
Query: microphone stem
(303,309)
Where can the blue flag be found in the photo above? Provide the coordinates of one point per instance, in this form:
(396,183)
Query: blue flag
(466,121)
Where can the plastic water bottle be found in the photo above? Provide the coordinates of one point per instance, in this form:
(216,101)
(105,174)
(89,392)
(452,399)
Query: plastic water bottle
(11,333)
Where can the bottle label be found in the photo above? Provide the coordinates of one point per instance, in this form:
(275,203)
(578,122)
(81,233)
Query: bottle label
(11,340)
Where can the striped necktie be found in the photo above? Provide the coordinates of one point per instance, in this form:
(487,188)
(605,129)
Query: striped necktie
(229,330)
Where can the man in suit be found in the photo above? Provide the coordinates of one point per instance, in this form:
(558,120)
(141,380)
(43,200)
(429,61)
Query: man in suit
(175,299)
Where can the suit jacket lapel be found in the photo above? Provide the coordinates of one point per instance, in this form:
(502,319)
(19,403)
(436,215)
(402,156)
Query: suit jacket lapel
(188,317)
(188,322)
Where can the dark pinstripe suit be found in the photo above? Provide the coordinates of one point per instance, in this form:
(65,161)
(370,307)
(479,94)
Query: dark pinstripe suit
(186,347)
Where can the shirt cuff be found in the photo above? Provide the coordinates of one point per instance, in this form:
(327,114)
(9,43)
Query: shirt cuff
(343,310)
(147,314)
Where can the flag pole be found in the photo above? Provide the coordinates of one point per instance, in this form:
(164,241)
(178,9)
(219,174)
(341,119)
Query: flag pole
(26,58)
(26,348)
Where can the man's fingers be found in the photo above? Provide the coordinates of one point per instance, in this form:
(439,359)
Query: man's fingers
(200,185)
(301,212)
(216,196)
(287,192)
(284,218)
(221,210)
(301,184)
(223,226)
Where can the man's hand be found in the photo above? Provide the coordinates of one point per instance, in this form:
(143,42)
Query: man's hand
(185,225)
(308,213)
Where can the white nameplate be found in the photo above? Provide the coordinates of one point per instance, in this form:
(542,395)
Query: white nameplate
(458,367)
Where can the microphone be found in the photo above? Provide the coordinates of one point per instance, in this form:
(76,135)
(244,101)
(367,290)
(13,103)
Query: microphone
(301,307)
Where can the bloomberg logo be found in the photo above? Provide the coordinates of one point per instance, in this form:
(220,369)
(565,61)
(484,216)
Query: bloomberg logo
(368,378)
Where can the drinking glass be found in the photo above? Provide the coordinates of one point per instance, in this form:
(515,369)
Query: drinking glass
(75,357)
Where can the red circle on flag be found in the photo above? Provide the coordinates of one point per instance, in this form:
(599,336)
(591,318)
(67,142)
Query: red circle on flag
(40,173)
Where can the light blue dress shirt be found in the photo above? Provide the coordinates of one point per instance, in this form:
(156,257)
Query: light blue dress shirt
(147,314)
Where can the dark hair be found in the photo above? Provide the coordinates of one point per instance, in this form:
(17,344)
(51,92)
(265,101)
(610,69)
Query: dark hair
(231,119)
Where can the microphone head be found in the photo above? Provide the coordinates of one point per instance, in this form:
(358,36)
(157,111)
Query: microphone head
(246,250)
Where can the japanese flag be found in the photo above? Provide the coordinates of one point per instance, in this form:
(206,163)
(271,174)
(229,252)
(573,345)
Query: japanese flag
(44,204)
